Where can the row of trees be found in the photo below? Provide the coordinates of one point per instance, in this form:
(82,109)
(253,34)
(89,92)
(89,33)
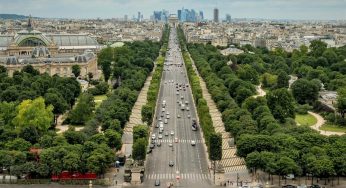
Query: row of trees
(263,127)
(140,142)
(149,108)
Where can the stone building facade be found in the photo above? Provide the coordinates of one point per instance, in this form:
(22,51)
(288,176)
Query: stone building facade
(51,53)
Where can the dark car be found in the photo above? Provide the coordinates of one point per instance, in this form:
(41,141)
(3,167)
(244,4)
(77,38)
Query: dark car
(149,151)
(151,146)
(157,182)
(158,144)
(315,186)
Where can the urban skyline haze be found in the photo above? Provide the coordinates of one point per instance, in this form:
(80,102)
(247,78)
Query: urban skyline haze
(267,9)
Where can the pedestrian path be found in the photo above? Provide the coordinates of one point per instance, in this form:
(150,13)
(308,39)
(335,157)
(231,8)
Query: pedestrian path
(230,161)
(183,176)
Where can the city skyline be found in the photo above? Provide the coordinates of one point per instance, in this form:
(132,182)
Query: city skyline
(266,9)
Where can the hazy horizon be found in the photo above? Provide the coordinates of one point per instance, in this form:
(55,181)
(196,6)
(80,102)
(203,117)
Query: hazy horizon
(259,9)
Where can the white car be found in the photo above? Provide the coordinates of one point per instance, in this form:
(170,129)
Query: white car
(178,116)
(172,133)
(167,113)
(160,136)
(166,121)
(188,116)
(187,108)
(163,109)
(167,117)
(193,143)
(153,136)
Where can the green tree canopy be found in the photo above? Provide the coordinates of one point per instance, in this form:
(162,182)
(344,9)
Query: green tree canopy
(34,113)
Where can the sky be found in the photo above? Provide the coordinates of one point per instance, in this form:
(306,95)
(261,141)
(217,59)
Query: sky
(268,9)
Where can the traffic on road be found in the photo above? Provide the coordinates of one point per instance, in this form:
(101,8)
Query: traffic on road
(176,155)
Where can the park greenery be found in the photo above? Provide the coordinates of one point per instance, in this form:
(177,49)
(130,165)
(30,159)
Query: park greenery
(30,103)
(264,128)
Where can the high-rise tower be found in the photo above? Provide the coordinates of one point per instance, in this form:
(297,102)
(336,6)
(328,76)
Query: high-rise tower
(216,15)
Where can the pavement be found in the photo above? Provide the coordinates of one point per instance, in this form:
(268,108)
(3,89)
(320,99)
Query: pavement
(190,167)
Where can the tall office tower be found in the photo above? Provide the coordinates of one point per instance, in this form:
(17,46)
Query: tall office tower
(157,15)
(193,16)
(201,16)
(183,15)
(139,17)
(216,15)
(228,18)
(179,15)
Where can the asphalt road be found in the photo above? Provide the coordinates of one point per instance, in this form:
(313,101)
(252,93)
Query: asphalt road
(190,165)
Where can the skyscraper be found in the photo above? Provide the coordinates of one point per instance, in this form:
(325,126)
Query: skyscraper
(201,16)
(216,15)
(139,17)
(228,18)
(179,15)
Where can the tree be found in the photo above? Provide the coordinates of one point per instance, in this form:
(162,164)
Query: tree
(283,79)
(30,134)
(139,149)
(31,70)
(83,110)
(2,69)
(34,113)
(74,137)
(341,102)
(18,144)
(58,102)
(104,59)
(71,161)
(147,114)
(140,131)
(114,139)
(281,104)
(253,160)
(286,165)
(331,56)
(304,91)
(76,70)
(215,147)
(317,47)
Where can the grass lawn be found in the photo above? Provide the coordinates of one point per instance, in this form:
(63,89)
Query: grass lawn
(334,128)
(305,119)
(98,100)
(100,97)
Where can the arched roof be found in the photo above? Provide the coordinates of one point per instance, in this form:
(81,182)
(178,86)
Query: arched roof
(73,40)
(31,38)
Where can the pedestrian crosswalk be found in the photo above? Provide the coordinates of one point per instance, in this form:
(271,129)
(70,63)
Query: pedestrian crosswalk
(187,176)
(179,141)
